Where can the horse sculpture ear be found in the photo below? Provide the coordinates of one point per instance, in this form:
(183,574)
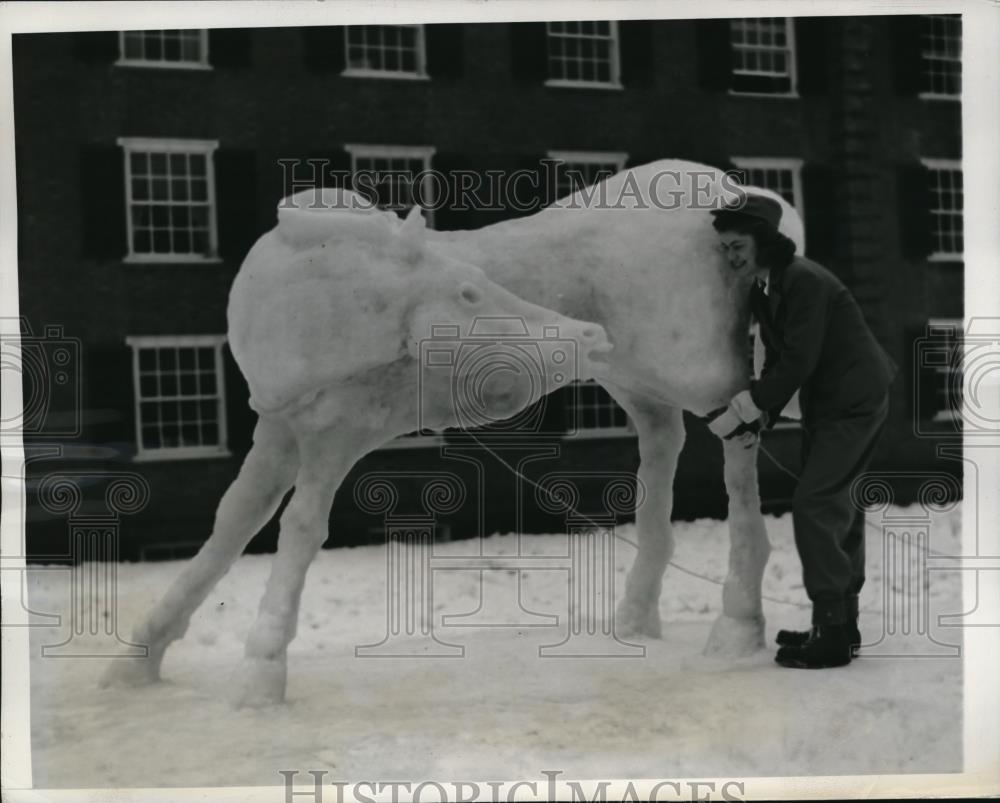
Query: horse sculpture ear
(412,235)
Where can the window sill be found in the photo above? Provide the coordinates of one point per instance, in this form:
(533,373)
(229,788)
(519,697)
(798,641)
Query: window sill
(558,83)
(163,65)
(417,442)
(385,75)
(733,93)
(170,259)
(170,455)
(958,259)
(935,96)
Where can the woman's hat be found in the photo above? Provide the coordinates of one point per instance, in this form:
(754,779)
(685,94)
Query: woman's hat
(756,206)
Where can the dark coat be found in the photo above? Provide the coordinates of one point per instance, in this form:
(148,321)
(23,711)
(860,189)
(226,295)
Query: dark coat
(817,342)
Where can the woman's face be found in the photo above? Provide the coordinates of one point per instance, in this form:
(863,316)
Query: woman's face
(740,251)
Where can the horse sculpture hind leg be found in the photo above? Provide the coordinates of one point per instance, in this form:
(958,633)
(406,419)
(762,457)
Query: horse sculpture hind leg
(739,630)
(661,437)
(326,456)
(249,502)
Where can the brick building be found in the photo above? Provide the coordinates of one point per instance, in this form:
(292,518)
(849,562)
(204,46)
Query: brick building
(149,161)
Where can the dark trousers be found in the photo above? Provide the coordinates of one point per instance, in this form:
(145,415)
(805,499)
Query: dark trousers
(829,526)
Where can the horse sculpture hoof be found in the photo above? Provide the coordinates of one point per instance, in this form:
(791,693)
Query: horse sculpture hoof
(735,638)
(260,682)
(631,620)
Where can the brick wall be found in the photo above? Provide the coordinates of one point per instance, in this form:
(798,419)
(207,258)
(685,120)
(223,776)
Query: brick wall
(851,122)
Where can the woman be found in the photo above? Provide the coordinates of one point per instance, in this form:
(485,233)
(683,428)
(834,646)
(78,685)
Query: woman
(816,342)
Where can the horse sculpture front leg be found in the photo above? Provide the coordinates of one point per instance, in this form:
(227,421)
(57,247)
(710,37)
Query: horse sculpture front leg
(326,458)
(661,438)
(739,630)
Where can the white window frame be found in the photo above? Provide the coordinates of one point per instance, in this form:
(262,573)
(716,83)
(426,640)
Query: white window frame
(955,165)
(424,152)
(138,342)
(365,72)
(793,71)
(207,147)
(777,163)
(201,64)
(949,414)
(925,55)
(594,433)
(614,83)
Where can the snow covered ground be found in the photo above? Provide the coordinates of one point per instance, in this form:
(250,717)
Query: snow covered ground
(501,711)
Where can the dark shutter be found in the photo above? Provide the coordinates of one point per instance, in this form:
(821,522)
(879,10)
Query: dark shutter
(529,52)
(323,49)
(811,47)
(715,61)
(819,199)
(448,216)
(636,43)
(907,61)
(925,380)
(445,50)
(236,196)
(96,47)
(914,210)
(102,197)
(109,392)
(229,47)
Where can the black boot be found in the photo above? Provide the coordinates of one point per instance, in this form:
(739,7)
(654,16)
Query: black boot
(796,638)
(827,646)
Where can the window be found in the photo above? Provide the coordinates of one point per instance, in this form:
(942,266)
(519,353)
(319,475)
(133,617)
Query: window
(763,56)
(180,408)
(175,48)
(579,169)
(783,176)
(943,356)
(583,54)
(396,177)
(946,204)
(385,51)
(942,56)
(595,413)
(170,193)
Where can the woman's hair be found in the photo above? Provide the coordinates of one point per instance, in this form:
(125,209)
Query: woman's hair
(774,249)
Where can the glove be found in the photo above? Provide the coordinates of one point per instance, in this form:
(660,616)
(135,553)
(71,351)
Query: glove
(725,423)
(745,408)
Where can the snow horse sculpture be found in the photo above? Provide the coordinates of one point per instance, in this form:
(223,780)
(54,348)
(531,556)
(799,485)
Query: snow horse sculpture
(326,317)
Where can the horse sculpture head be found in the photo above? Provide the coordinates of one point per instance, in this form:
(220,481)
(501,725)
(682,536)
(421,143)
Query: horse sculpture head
(340,287)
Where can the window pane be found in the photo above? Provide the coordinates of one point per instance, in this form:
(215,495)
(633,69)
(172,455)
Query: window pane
(149,412)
